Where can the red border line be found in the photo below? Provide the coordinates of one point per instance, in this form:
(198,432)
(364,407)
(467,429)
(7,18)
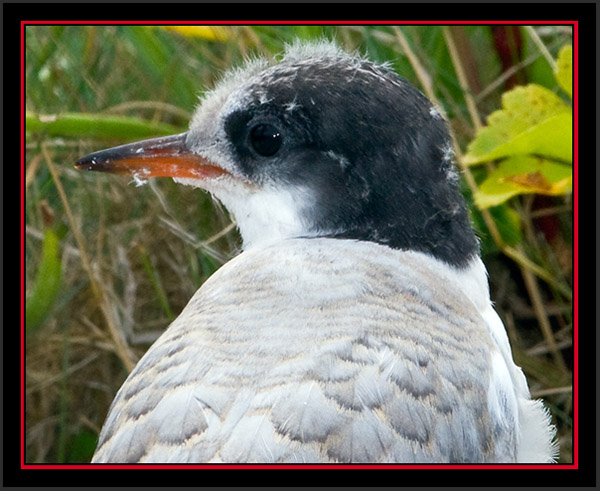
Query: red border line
(22,244)
(305,466)
(575,463)
(306,22)
(576,244)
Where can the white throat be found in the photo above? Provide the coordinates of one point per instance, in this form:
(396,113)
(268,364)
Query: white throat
(265,214)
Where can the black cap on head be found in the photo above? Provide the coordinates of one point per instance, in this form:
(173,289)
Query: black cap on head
(372,149)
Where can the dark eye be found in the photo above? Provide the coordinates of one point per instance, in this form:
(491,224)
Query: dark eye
(265,139)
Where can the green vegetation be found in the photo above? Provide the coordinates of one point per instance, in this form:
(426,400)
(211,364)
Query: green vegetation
(533,134)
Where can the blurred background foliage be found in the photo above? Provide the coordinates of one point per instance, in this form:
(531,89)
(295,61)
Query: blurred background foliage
(110,264)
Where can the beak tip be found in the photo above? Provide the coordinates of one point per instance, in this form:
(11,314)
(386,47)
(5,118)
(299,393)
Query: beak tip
(83,164)
(90,162)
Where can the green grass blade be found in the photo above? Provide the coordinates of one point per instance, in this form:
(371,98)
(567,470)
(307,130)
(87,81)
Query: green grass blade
(97,126)
(156,284)
(47,284)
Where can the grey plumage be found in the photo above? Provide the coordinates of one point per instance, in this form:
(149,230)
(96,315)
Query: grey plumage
(356,326)
(288,373)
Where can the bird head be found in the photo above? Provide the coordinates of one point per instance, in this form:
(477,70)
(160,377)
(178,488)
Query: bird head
(320,143)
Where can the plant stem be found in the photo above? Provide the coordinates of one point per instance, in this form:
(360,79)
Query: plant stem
(540,44)
(121,347)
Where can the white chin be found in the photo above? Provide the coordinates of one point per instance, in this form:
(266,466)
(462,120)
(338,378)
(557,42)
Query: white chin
(197,183)
(262,214)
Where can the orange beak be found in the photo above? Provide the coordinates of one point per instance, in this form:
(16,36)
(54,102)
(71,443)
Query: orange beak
(159,157)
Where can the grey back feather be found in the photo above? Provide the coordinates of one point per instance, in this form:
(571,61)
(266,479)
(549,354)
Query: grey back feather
(333,352)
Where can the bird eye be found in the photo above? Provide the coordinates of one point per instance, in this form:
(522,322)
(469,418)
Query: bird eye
(265,139)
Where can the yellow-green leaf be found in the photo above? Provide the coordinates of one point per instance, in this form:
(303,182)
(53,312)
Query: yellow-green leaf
(564,72)
(533,120)
(212,33)
(521,175)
